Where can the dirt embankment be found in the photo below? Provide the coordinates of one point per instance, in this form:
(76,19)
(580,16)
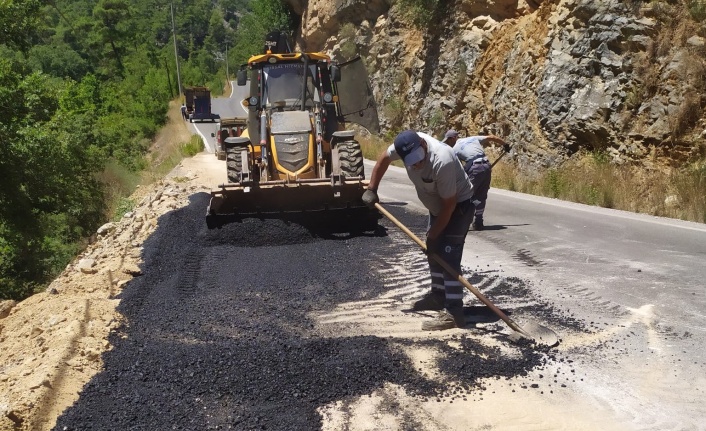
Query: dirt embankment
(51,343)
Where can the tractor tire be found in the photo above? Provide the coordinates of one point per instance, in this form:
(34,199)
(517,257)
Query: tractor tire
(234,163)
(351,157)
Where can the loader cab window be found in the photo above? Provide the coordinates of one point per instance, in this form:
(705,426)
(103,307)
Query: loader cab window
(283,82)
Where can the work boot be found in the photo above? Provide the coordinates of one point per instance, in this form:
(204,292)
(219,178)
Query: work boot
(477,224)
(433,300)
(446,319)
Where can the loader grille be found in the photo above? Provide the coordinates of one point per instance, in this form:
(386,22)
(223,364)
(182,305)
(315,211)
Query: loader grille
(292,150)
(291,135)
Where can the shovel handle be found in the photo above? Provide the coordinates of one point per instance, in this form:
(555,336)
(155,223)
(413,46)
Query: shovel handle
(511,323)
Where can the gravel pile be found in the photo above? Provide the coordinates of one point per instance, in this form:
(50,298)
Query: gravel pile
(217,333)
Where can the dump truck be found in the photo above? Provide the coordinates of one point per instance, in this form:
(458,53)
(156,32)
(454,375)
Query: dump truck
(201,105)
(188,107)
(296,155)
(228,128)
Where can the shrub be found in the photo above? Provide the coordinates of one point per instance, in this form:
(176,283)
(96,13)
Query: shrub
(555,183)
(124,206)
(348,49)
(461,71)
(193,147)
(437,119)
(420,13)
(690,187)
(697,9)
(686,116)
(393,110)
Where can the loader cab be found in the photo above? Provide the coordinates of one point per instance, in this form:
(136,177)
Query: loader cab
(290,86)
(292,82)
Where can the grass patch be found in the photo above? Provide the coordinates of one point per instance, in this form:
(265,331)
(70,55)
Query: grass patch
(124,205)
(373,146)
(193,147)
(593,180)
(689,186)
(162,163)
(120,182)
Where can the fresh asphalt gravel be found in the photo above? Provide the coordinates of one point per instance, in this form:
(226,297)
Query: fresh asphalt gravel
(217,334)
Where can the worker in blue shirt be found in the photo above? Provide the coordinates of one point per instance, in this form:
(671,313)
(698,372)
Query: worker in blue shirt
(471,152)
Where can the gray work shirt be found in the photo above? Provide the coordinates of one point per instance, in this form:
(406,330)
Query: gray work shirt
(441,176)
(469,148)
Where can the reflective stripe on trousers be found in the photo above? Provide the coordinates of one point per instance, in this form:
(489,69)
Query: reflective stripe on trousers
(451,251)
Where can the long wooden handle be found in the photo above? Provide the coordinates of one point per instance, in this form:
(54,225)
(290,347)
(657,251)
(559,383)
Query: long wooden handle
(511,323)
(498,159)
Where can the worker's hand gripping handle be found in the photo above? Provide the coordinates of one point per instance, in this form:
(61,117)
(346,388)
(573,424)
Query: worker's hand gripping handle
(506,149)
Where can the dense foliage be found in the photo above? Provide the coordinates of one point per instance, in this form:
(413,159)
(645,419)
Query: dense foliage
(84,86)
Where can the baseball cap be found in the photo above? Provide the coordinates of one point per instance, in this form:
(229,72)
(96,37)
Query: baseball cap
(408,145)
(451,133)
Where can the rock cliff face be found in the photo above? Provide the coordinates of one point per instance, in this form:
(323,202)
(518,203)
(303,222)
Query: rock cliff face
(554,76)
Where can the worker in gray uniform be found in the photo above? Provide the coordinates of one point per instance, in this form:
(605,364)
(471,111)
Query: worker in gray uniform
(445,190)
(471,152)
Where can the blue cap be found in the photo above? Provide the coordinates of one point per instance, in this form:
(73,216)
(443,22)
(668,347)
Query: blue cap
(408,145)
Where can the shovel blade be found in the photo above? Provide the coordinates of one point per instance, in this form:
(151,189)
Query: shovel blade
(537,333)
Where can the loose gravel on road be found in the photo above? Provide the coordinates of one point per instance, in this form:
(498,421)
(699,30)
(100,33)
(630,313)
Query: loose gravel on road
(218,333)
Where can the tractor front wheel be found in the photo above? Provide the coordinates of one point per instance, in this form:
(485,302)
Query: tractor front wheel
(234,163)
(351,158)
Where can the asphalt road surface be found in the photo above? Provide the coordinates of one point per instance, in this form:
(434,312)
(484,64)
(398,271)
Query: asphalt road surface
(225,107)
(638,282)
(270,324)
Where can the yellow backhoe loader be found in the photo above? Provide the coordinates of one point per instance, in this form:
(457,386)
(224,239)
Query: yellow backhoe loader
(296,155)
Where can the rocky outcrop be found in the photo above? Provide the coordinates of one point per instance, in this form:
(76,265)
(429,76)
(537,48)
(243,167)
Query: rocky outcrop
(588,71)
(322,18)
(554,76)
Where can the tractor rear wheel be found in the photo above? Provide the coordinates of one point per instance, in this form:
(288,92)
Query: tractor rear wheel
(351,157)
(234,163)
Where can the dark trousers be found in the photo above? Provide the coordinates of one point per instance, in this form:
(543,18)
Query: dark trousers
(450,249)
(480,175)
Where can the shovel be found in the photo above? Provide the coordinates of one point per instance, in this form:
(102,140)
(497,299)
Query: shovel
(533,331)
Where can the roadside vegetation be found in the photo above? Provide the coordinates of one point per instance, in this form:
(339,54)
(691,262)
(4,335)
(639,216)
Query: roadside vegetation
(591,179)
(85,87)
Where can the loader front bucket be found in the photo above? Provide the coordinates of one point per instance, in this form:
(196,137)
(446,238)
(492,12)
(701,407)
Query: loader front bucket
(338,207)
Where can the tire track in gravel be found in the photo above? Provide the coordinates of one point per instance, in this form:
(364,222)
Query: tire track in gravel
(245,349)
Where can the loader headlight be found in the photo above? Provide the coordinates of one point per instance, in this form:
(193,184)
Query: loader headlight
(272,60)
(328,97)
(252,101)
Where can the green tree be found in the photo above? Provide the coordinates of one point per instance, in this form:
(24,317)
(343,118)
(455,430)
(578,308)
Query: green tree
(267,15)
(112,27)
(49,196)
(59,60)
(18,20)
(88,83)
